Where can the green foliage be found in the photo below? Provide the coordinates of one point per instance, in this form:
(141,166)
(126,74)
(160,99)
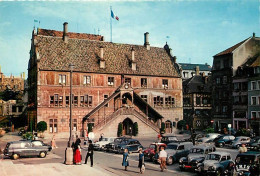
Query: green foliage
(243,132)
(90,127)
(135,130)
(162,130)
(41,126)
(120,129)
(28,136)
(181,124)
(209,130)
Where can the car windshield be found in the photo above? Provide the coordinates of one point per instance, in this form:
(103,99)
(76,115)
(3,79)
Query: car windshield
(213,157)
(196,150)
(174,147)
(247,159)
(237,139)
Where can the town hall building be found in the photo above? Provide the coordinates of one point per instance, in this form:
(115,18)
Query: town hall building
(112,83)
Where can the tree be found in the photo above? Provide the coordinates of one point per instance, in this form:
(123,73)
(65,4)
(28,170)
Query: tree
(42,126)
(135,130)
(120,129)
(90,127)
(162,130)
(181,124)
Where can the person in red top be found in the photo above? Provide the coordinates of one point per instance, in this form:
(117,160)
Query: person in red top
(159,137)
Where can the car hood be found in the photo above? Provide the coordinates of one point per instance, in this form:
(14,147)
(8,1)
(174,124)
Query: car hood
(193,156)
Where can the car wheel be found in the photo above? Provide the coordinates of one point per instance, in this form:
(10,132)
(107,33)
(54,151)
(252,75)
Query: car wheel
(170,161)
(15,156)
(238,146)
(42,154)
(221,145)
(218,172)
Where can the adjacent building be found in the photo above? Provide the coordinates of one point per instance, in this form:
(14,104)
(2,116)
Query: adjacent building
(225,65)
(189,70)
(112,84)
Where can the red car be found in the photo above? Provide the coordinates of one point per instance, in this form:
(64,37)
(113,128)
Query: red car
(149,153)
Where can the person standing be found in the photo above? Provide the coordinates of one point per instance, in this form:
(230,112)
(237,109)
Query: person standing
(53,142)
(90,153)
(77,151)
(162,158)
(141,161)
(242,149)
(125,159)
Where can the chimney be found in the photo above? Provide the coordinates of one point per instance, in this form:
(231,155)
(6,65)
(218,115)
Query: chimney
(253,35)
(133,63)
(146,40)
(65,32)
(174,59)
(197,71)
(102,60)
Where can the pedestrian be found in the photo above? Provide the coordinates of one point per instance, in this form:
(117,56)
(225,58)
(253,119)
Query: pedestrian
(242,149)
(101,137)
(53,142)
(77,152)
(162,158)
(156,150)
(159,136)
(1,154)
(141,164)
(125,159)
(90,153)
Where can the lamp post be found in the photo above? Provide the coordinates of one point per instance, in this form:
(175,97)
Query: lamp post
(69,151)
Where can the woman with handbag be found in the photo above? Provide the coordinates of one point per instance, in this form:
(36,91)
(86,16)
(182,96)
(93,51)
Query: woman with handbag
(141,161)
(125,159)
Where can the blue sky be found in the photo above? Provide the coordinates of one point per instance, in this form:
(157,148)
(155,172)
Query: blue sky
(197,29)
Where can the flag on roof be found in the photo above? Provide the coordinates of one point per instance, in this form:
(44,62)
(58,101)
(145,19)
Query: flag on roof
(114,16)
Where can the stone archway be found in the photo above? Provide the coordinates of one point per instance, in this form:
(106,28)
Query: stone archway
(127,127)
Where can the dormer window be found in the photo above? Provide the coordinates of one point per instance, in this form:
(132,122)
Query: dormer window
(62,79)
(144,82)
(165,83)
(86,80)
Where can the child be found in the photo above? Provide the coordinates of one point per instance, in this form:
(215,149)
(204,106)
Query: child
(125,159)
(141,161)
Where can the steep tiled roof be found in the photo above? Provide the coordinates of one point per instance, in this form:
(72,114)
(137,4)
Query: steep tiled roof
(196,84)
(202,67)
(55,54)
(231,49)
(47,32)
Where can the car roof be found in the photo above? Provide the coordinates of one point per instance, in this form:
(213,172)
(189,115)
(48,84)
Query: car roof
(220,153)
(202,146)
(255,153)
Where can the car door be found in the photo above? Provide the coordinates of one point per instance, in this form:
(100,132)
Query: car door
(224,161)
(180,152)
(26,149)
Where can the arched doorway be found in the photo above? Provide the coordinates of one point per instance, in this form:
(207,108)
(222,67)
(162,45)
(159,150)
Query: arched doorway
(168,126)
(127,127)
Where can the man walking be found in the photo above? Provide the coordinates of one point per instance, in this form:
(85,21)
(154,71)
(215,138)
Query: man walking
(90,153)
(162,158)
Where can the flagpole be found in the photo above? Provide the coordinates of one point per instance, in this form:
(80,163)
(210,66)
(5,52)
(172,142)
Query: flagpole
(110,24)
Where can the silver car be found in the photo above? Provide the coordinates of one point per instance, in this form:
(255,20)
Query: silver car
(238,141)
(208,137)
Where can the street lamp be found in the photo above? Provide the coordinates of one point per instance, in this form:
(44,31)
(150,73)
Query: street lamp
(69,151)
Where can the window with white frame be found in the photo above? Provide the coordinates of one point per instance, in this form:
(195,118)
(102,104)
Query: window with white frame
(110,81)
(53,125)
(62,79)
(74,125)
(253,85)
(253,101)
(143,82)
(165,83)
(86,79)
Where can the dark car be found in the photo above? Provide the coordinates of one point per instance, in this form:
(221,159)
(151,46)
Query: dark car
(196,155)
(110,147)
(168,139)
(132,145)
(254,144)
(224,140)
(248,163)
(149,153)
(26,148)
(176,150)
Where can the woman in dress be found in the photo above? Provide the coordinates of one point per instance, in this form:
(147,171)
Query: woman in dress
(53,142)
(141,161)
(76,151)
(125,159)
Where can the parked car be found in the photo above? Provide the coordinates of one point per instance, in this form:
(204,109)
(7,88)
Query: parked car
(223,140)
(149,153)
(254,144)
(16,149)
(132,145)
(100,145)
(110,147)
(248,163)
(238,141)
(176,150)
(196,155)
(210,136)
(168,139)
(216,163)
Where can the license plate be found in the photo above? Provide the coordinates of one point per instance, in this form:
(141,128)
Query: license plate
(187,166)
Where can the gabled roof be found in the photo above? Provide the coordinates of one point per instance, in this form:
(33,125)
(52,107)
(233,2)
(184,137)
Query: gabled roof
(202,67)
(231,49)
(196,84)
(55,54)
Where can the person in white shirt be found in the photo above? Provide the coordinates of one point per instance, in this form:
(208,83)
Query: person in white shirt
(162,158)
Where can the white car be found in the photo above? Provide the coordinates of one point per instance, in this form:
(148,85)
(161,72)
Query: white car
(100,145)
(210,136)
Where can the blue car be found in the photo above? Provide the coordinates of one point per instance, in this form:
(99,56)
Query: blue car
(132,145)
(223,140)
